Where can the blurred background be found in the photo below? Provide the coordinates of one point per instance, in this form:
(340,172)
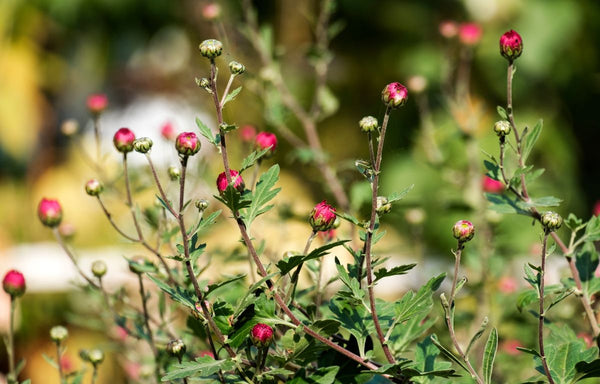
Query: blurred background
(143,55)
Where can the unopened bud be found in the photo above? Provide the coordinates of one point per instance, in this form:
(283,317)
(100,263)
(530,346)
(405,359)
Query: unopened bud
(201,204)
(211,48)
(142,145)
(551,221)
(511,45)
(95,356)
(236,68)
(176,348)
(261,335)
(236,181)
(58,334)
(463,230)
(383,206)
(69,127)
(97,103)
(394,95)
(502,128)
(368,124)
(123,140)
(94,187)
(204,83)
(174,172)
(14,283)
(322,217)
(187,144)
(99,268)
(50,212)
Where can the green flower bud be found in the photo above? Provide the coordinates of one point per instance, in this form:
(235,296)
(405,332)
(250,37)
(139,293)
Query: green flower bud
(383,206)
(142,145)
(95,356)
(368,124)
(551,221)
(174,173)
(236,68)
(99,268)
(201,204)
(176,348)
(211,48)
(94,187)
(502,128)
(58,334)
(463,230)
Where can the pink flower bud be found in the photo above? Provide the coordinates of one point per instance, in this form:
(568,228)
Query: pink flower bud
(463,230)
(394,95)
(322,217)
(511,45)
(123,140)
(261,335)
(266,140)
(510,347)
(94,187)
(50,212)
(236,181)
(211,11)
(470,33)
(247,133)
(187,144)
(507,285)
(168,131)
(492,186)
(97,103)
(448,29)
(14,283)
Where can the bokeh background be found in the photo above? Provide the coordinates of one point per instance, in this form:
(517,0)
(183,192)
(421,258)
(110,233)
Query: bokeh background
(143,55)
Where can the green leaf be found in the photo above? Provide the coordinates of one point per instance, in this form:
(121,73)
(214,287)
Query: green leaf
(328,103)
(525,298)
(354,319)
(253,158)
(502,112)
(477,334)
(493,170)
(213,287)
(586,261)
(412,304)
(531,138)
(546,201)
(426,358)
(286,265)
(399,270)
(206,132)
(400,195)
(447,353)
(489,355)
(263,193)
(50,361)
(232,95)
(205,366)
(203,223)
(563,358)
(234,199)
(592,230)
(573,222)
(504,204)
(325,375)
(177,294)
(586,370)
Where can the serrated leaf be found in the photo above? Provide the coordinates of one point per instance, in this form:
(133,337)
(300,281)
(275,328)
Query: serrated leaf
(531,139)
(252,158)
(489,355)
(586,261)
(204,223)
(573,222)
(232,95)
(592,230)
(563,358)
(286,265)
(354,319)
(412,303)
(205,366)
(263,193)
(504,204)
(177,294)
(399,270)
(206,132)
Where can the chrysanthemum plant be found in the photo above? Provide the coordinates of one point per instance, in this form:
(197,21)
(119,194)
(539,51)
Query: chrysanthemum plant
(265,326)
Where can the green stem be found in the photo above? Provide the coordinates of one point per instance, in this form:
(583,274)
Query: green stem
(61,374)
(542,314)
(296,275)
(148,329)
(94,374)
(11,340)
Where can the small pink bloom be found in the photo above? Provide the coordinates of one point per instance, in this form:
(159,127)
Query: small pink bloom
(66,364)
(507,284)
(206,353)
(187,143)
(470,33)
(589,341)
(123,140)
(168,131)
(492,186)
(394,95)
(247,133)
(448,29)
(50,212)
(133,370)
(14,283)
(97,103)
(596,209)
(322,217)
(266,140)
(261,335)
(511,45)
(236,181)
(510,347)
(211,11)
(463,230)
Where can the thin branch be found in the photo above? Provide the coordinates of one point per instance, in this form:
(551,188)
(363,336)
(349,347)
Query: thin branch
(542,313)
(148,329)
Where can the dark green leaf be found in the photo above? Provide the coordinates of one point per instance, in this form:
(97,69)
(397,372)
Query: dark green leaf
(286,265)
(489,355)
(205,366)
(447,353)
(586,261)
(592,230)
(493,170)
(504,204)
(399,270)
(325,375)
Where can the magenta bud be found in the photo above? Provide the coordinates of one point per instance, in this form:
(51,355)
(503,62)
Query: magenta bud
(491,186)
(394,95)
(322,217)
(266,140)
(123,140)
(94,187)
(470,33)
(261,335)
(236,181)
(50,212)
(97,103)
(463,231)
(187,143)
(14,283)
(168,131)
(511,45)
(247,133)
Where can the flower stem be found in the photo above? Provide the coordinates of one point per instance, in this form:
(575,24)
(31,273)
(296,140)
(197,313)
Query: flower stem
(95,374)
(542,313)
(69,253)
(450,316)
(11,340)
(148,329)
(369,239)
(296,275)
(61,374)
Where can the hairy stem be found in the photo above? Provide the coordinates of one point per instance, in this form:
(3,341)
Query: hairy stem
(369,239)
(542,314)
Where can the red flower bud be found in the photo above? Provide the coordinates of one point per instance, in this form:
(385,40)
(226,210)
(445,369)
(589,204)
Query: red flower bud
(14,283)
(596,209)
(247,133)
(50,212)
(187,144)
(168,131)
(470,33)
(463,230)
(492,186)
(322,217)
(394,95)
(261,335)
(236,181)
(266,140)
(97,103)
(511,45)
(123,140)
